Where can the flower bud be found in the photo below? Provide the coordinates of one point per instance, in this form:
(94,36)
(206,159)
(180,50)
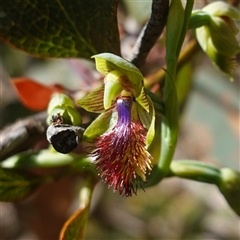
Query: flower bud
(217,34)
(63,105)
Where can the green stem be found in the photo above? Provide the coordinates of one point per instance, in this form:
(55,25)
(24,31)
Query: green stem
(177,25)
(170,120)
(195,170)
(187,16)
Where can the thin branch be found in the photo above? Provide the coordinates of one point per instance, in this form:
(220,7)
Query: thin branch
(22,135)
(150,32)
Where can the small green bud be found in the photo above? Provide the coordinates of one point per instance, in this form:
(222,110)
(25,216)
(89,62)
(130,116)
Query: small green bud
(59,99)
(63,105)
(55,111)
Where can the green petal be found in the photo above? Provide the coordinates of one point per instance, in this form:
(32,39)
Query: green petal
(143,100)
(151,129)
(108,62)
(103,123)
(203,36)
(113,88)
(93,102)
(148,120)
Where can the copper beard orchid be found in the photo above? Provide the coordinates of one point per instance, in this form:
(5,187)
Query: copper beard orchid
(125,127)
(121,154)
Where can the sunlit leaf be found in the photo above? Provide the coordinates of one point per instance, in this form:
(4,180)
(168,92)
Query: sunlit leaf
(15,186)
(60,28)
(32,94)
(75,227)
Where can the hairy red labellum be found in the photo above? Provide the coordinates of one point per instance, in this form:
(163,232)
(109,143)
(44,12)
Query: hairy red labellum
(121,155)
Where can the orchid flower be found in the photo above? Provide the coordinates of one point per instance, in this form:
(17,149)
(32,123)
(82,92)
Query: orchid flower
(124,129)
(217,32)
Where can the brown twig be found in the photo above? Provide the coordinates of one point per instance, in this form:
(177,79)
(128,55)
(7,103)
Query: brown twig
(150,32)
(22,134)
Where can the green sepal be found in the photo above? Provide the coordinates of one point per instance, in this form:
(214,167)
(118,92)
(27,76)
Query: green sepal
(103,123)
(108,62)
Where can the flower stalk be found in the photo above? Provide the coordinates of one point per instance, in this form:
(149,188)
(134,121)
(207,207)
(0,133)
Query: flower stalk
(177,24)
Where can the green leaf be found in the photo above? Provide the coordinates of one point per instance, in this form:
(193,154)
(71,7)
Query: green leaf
(74,228)
(14,186)
(60,28)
